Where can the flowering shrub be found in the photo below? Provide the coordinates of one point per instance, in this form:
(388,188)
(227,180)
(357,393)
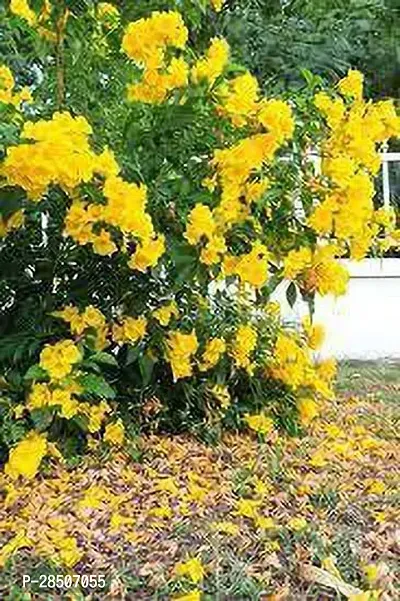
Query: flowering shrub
(141,246)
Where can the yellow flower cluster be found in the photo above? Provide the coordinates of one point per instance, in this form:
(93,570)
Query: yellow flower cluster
(212,65)
(352,85)
(293,365)
(200,227)
(7,92)
(129,330)
(238,99)
(65,398)
(95,414)
(147,253)
(350,162)
(317,271)
(244,344)
(25,459)
(213,352)
(90,318)
(42,395)
(251,268)
(146,42)
(58,359)
(125,209)
(235,168)
(180,350)
(22,9)
(60,154)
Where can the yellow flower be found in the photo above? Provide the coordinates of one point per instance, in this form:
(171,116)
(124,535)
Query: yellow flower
(315,334)
(93,317)
(213,250)
(252,268)
(327,369)
(248,508)
(22,9)
(108,14)
(180,349)
(148,253)
(69,552)
(24,459)
(58,152)
(264,523)
(132,330)
(114,433)
(106,164)
(6,79)
(63,398)
(103,244)
(244,343)
(333,109)
(17,542)
(352,84)
(308,410)
(200,223)
(212,354)
(277,117)
(95,414)
(58,359)
(212,65)
(192,568)
(146,41)
(260,423)
(165,313)
(296,262)
(364,596)
(217,5)
(39,397)
(238,99)
(297,524)
(340,169)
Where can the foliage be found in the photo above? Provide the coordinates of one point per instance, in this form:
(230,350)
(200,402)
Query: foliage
(275,40)
(142,238)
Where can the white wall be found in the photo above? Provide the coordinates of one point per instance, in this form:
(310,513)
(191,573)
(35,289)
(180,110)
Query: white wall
(365,323)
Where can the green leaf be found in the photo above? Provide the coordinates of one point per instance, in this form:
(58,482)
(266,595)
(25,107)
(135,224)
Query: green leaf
(132,355)
(42,418)
(291,294)
(146,365)
(97,386)
(11,200)
(35,372)
(105,358)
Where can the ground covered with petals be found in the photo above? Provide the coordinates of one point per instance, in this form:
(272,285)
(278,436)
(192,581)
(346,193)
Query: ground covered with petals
(306,518)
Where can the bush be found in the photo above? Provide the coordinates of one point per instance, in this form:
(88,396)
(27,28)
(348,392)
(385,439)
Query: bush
(143,239)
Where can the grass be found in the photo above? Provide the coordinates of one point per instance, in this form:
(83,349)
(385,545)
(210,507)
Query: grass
(331,498)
